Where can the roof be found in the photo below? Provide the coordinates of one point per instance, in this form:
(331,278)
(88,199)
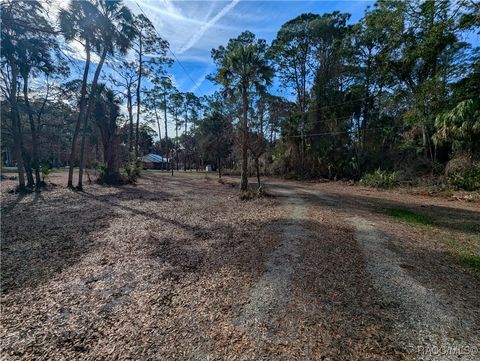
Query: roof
(153,158)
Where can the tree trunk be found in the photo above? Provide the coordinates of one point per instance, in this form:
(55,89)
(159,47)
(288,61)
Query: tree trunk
(186,117)
(83,92)
(33,131)
(366,105)
(130,120)
(244,171)
(167,151)
(219,165)
(139,84)
(257,166)
(158,124)
(91,101)
(26,157)
(112,175)
(176,143)
(15,119)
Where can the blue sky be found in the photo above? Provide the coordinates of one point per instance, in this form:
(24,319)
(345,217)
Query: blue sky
(193,28)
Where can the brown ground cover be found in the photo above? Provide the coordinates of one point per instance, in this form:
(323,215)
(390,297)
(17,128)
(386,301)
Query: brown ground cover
(176,268)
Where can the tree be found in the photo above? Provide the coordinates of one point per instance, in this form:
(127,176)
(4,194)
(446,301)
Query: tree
(103,26)
(293,51)
(461,126)
(105,116)
(27,45)
(421,46)
(215,138)
(156,49)
(328,115)
(257,146)
(176,105)
(162,88)
(126,77)
(192,106)
(36,54)
(243,68)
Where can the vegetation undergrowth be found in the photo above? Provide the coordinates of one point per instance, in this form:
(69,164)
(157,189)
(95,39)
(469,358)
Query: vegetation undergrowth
(252,193)
(380,179)
(471,261)
(468,179)
(131,171)
(128,174)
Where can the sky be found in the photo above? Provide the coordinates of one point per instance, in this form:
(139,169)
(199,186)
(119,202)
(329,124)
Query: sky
(194,28)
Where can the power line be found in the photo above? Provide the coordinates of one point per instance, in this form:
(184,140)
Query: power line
(338,132)
(170,50)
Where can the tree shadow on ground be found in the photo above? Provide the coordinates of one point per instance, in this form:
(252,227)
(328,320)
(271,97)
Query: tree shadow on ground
(331,308)
(448,218)
(42,235)
(195,284)
(40,238)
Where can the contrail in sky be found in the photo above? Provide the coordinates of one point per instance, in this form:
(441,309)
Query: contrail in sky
(203,28)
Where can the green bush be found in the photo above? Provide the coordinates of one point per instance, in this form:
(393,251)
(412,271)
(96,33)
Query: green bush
(102,172)
(468,179)
(132,171)
(46,171)
(380,179)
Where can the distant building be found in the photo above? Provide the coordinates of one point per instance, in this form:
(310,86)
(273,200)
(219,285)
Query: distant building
(154,161)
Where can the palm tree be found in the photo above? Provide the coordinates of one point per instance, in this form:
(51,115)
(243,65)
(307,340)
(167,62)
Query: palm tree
(243,68)
(77,22)
(105,115)
(104,26)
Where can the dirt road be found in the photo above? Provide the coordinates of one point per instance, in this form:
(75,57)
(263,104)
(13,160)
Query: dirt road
(419,319)
(181,268)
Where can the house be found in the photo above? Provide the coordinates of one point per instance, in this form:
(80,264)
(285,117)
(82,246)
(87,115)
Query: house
(154,161)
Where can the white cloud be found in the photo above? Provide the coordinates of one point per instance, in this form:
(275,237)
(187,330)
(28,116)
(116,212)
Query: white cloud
(206,26)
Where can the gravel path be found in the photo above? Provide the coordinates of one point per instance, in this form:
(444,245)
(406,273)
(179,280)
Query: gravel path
(425,323)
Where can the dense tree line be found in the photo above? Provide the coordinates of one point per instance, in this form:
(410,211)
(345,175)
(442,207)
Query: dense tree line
(397,90)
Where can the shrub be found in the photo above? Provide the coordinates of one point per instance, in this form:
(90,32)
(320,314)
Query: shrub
(468,179)
(380,179)
(46,171)
(102,172)
(132,171)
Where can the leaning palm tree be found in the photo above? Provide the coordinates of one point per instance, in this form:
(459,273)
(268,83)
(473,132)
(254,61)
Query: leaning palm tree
(243,68)
(103,26)
(77,23)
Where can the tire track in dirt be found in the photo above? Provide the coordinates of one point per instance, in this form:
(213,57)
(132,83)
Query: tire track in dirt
(272,290)
(424,323)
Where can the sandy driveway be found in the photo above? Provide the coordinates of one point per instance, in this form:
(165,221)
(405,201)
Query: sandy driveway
(423,323)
